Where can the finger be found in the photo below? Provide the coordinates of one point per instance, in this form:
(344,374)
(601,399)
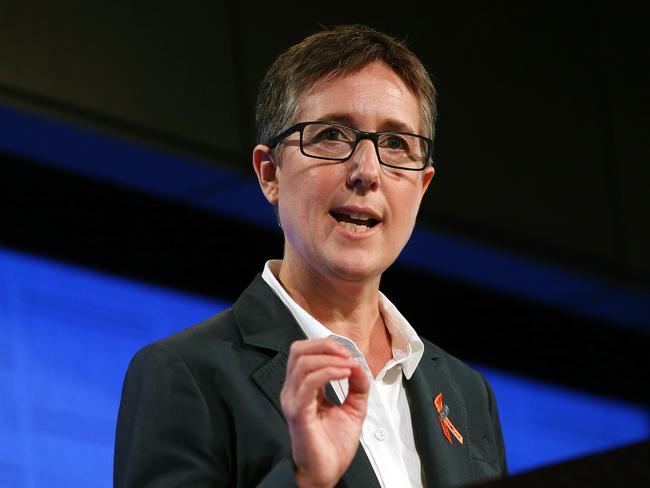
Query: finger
(358,389)
(305,364)
(327,345)
(316,346)
(358,381)
(313,383)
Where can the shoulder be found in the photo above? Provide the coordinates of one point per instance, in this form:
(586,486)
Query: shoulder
(449,361)
(471,382)
(231,343)
(190,353)
(218,329)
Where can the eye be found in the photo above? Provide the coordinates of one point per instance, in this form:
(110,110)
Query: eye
(395,143)
(331,134)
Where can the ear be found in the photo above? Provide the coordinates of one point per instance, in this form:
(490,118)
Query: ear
(426,179)
(266,171)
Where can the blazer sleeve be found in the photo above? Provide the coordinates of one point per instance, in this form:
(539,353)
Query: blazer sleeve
(165,434)
(171,432)
(496,428)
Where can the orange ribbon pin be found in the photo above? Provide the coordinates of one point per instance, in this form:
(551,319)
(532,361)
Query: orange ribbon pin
(445,422)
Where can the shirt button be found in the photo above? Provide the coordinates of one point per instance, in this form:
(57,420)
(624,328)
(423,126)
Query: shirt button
(380,434)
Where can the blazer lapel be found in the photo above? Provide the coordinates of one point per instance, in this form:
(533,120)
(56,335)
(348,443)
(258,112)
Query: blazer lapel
(266,323)
(444,464)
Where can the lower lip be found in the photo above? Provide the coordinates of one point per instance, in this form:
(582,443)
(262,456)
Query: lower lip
(355,235)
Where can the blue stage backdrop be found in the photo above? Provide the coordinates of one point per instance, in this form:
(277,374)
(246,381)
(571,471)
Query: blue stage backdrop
(67,337)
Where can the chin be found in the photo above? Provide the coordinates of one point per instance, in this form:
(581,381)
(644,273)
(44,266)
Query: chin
(356,270)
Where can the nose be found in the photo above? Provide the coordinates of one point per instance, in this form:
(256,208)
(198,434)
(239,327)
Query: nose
(363,175)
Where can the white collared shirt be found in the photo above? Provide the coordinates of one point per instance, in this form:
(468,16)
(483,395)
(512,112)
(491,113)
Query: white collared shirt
(387,432)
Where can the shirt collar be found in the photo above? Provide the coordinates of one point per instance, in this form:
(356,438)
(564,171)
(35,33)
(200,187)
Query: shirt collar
(407,346)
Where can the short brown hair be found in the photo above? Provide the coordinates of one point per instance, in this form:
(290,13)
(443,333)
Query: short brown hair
(338,51)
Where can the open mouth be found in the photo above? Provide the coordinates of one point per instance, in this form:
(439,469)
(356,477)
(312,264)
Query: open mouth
(354,222)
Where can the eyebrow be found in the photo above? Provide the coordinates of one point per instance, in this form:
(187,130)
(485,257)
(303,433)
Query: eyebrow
(386,124)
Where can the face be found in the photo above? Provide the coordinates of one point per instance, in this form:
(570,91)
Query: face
(346,220)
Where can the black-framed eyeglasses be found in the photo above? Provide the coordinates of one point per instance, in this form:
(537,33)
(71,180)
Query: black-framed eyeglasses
(337,142)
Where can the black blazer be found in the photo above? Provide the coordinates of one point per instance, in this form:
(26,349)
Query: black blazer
(201,408)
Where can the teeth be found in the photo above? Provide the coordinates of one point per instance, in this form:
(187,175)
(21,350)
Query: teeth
(359,216)
(354,227)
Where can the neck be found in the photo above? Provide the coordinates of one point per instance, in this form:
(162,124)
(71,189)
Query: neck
(346,307)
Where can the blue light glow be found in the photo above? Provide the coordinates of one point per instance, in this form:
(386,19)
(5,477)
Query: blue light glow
(67,337)
(544,424)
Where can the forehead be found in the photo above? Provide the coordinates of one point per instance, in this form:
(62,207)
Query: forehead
(371,99)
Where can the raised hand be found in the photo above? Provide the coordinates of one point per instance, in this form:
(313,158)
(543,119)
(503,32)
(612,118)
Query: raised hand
(324,436)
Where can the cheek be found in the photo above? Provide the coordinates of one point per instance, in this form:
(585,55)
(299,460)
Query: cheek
(406,206)
(296,201)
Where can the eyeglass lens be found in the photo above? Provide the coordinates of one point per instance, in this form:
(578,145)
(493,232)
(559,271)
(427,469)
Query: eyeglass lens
(322,140)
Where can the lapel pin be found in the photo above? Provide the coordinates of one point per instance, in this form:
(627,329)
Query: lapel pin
(445,421)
